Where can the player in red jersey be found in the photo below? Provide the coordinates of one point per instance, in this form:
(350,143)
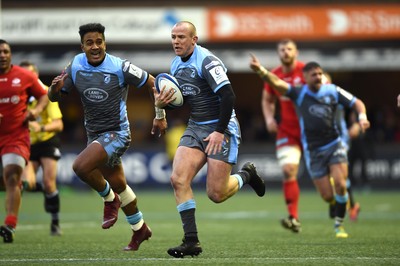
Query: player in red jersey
(288,140)
(17,85)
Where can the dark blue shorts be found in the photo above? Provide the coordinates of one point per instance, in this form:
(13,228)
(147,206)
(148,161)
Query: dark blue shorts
(195,133)
(319,160)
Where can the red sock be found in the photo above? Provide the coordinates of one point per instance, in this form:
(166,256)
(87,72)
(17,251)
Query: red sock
(291,192)
(11,220)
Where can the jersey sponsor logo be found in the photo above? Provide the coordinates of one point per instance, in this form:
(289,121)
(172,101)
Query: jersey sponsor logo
(16,82)
(213,63)
(297,81)
(189,89)
(319,110)
(95,95)
(5,100)
(85,74)
(218,74)
(13,99)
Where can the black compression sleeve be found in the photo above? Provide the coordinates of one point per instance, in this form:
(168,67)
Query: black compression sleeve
(227,102)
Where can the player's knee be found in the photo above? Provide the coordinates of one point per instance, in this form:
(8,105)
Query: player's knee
(127,196)
(327,197)
(78,168)
(216,196)
(290,172)
(178,182)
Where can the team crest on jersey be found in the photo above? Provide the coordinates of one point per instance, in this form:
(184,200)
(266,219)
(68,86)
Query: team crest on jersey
(107,78)
(15,99)
(95,95)
(327,100)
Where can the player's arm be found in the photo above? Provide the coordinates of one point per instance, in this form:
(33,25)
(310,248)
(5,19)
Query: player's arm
(215,139)
(160,121)
(353,127)
(268,105)
(398,100)
(41,104)
(56,124)
(359,107)
(227,97)
(54,93)
(281,86)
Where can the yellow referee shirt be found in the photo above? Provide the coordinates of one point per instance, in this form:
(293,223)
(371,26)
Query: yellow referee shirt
(51,112)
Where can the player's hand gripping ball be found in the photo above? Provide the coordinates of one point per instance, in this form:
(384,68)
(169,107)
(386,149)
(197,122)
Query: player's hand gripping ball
(164,79)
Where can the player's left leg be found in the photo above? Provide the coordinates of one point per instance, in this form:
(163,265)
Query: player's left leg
(128,203)
(353,206)
(134,217)
(339,173)
(29,182)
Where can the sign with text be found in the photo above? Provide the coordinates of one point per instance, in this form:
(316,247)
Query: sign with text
(337,22)
(123,25)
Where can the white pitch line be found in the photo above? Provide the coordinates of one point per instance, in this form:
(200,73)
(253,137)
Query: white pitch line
(197,259)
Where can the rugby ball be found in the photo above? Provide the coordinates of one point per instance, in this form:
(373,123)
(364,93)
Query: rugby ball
(169,81)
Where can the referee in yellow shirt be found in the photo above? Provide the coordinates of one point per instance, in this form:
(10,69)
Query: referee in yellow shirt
(45,153)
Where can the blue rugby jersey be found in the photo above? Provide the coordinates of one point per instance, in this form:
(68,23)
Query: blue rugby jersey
(316,112)
(103,90)
(199,79)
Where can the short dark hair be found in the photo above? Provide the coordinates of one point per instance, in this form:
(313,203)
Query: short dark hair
(27,63)
(286,41)
(91,27)
(3,41)
(311,65)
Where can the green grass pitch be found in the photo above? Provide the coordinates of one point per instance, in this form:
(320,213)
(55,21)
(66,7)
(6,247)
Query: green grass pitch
(244,230)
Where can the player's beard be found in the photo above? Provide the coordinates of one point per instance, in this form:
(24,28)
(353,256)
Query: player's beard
(287,61)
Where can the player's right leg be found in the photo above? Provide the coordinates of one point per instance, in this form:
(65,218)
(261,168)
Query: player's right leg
(187,163)
(289,159)
(86,168)
(12,164)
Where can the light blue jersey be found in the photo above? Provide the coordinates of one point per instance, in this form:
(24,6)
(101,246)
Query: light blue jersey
(200,78)
(316,112)
(103,90)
